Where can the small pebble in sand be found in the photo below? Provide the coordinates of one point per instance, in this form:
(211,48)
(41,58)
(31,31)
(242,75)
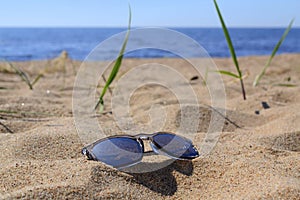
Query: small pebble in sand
(265,105)
(48,91)
(194,78)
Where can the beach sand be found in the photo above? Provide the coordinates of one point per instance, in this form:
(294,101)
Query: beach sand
(257,155)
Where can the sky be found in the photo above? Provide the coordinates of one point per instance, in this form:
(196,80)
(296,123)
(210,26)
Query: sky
(158,13)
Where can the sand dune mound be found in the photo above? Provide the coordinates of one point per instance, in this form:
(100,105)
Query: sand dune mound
(288,141)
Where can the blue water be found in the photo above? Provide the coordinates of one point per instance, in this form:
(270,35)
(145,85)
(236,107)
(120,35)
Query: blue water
(22,44)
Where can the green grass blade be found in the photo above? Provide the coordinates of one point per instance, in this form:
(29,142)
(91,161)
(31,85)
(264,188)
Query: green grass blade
(232,51)
(8,112)
(228,73)
(228,39)
(37,78)
(262,73)
(116,67)
(22,74)
(205,76)
(286,85)
(26,112)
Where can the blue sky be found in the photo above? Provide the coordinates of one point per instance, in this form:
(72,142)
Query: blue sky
(164,13)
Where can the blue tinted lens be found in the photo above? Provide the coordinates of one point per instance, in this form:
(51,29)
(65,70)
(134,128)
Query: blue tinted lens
(118,152)
(175,146)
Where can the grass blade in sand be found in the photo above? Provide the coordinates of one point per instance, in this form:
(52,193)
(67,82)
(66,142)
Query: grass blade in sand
(228,73)
(116,67)
(232,52)
(22,74)
(262,73)
(286,85)
(6,127)
(205,77)
(37,78)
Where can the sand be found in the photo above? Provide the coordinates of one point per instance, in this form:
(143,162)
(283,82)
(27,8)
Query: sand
(257,155)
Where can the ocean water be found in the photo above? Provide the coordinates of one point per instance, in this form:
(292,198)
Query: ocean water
(23,44)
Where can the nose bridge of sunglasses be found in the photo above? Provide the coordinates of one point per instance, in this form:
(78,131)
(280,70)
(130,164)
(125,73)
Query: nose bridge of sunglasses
(143,136)
(145,140)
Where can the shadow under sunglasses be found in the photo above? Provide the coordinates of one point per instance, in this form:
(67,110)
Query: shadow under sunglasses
(161,181)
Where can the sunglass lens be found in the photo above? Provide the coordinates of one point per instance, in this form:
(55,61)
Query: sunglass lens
(118,152)
(175,146)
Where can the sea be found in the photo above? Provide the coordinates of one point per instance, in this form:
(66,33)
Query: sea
(24,44)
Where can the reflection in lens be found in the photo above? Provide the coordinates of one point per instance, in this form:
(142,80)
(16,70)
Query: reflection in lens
(118,152)
(175,146)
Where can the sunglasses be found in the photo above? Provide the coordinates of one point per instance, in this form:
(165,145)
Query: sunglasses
(121,151)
